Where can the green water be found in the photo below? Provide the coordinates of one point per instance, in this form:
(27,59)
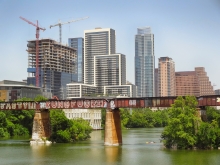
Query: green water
(134,151)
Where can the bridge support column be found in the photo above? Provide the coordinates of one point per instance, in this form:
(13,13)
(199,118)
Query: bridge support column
(202,113)
(113,135)
(41,126)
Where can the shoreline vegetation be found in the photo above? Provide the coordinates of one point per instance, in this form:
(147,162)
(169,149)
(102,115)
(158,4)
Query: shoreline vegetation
(16,123)
(183,127)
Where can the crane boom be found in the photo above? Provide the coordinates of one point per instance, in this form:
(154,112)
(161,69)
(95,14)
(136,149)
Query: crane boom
(32,23)
(37,49)
(62,23)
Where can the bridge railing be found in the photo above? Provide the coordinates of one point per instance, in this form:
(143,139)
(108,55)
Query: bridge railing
(90,103)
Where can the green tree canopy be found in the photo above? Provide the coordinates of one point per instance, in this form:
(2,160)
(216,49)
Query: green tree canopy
(186,130)
(183,123)
(65,130)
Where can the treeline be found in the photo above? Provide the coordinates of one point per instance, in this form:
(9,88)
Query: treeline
(186,130)
(16,122)
(140,118)
(143,118)
(20,123)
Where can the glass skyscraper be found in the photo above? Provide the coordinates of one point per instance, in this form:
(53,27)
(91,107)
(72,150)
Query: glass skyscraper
(78,44)
(144,62)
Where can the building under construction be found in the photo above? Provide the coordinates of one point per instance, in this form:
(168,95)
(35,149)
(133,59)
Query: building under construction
(56,66)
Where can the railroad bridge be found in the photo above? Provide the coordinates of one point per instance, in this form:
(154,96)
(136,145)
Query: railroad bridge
(113,135)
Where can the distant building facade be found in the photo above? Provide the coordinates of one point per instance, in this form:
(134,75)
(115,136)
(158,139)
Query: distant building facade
(144,62)
(109,70)
(156,84)
(187,83)
(78,90)
(93,116)
(194,83)
(128,90)
(166,77)
(205,85)
(13,90)
(78,44)
(217,92)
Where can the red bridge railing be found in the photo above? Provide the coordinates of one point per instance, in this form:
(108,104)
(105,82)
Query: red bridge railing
(89,103)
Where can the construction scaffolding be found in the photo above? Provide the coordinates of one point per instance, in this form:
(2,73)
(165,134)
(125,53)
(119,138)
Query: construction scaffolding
(57,64)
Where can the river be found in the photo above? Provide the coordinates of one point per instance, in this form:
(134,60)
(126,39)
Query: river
(137,149)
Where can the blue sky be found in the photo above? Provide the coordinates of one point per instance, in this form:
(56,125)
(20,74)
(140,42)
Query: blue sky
(188,31)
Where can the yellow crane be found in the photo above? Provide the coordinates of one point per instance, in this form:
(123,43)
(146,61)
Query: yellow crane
(62,23)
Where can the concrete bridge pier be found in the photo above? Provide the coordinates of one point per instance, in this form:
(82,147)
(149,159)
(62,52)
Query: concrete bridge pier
(113,135)
(41,126)
(202,112)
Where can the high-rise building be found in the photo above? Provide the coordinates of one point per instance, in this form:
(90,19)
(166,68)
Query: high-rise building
(96,42)
(187,83)
(109,70)
(78,44)
(194,83)
(166,77)
(144,62)
(56,66)
(205,85)
(104,70)
(156,84)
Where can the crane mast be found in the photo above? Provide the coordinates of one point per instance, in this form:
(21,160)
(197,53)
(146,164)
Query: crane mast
(37,47)
(62,23)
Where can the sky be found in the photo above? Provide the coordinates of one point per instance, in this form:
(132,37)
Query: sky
(188,31)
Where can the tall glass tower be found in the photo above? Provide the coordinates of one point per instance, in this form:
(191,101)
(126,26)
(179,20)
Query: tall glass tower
(144,62)
(78,44)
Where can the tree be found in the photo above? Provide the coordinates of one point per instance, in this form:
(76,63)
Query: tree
(18,122)
(183,124)
(65,130)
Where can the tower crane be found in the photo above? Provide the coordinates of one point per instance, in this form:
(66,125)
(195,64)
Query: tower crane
(37,48)
(62,23)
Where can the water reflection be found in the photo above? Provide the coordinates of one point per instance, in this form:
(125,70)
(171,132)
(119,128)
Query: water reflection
(113,153)
(200,157)
(39,152)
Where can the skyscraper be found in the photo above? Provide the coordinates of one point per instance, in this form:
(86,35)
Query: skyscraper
(96,42)
(104,70)
(109,70)
(78,44)
(166,77)
(144,62)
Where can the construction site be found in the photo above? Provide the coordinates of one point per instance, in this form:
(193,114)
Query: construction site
(51,65)
(56,65)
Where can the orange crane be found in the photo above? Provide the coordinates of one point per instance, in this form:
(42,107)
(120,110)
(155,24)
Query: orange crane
(37,48)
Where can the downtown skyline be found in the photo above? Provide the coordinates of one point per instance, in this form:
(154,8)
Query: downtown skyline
(185,31)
